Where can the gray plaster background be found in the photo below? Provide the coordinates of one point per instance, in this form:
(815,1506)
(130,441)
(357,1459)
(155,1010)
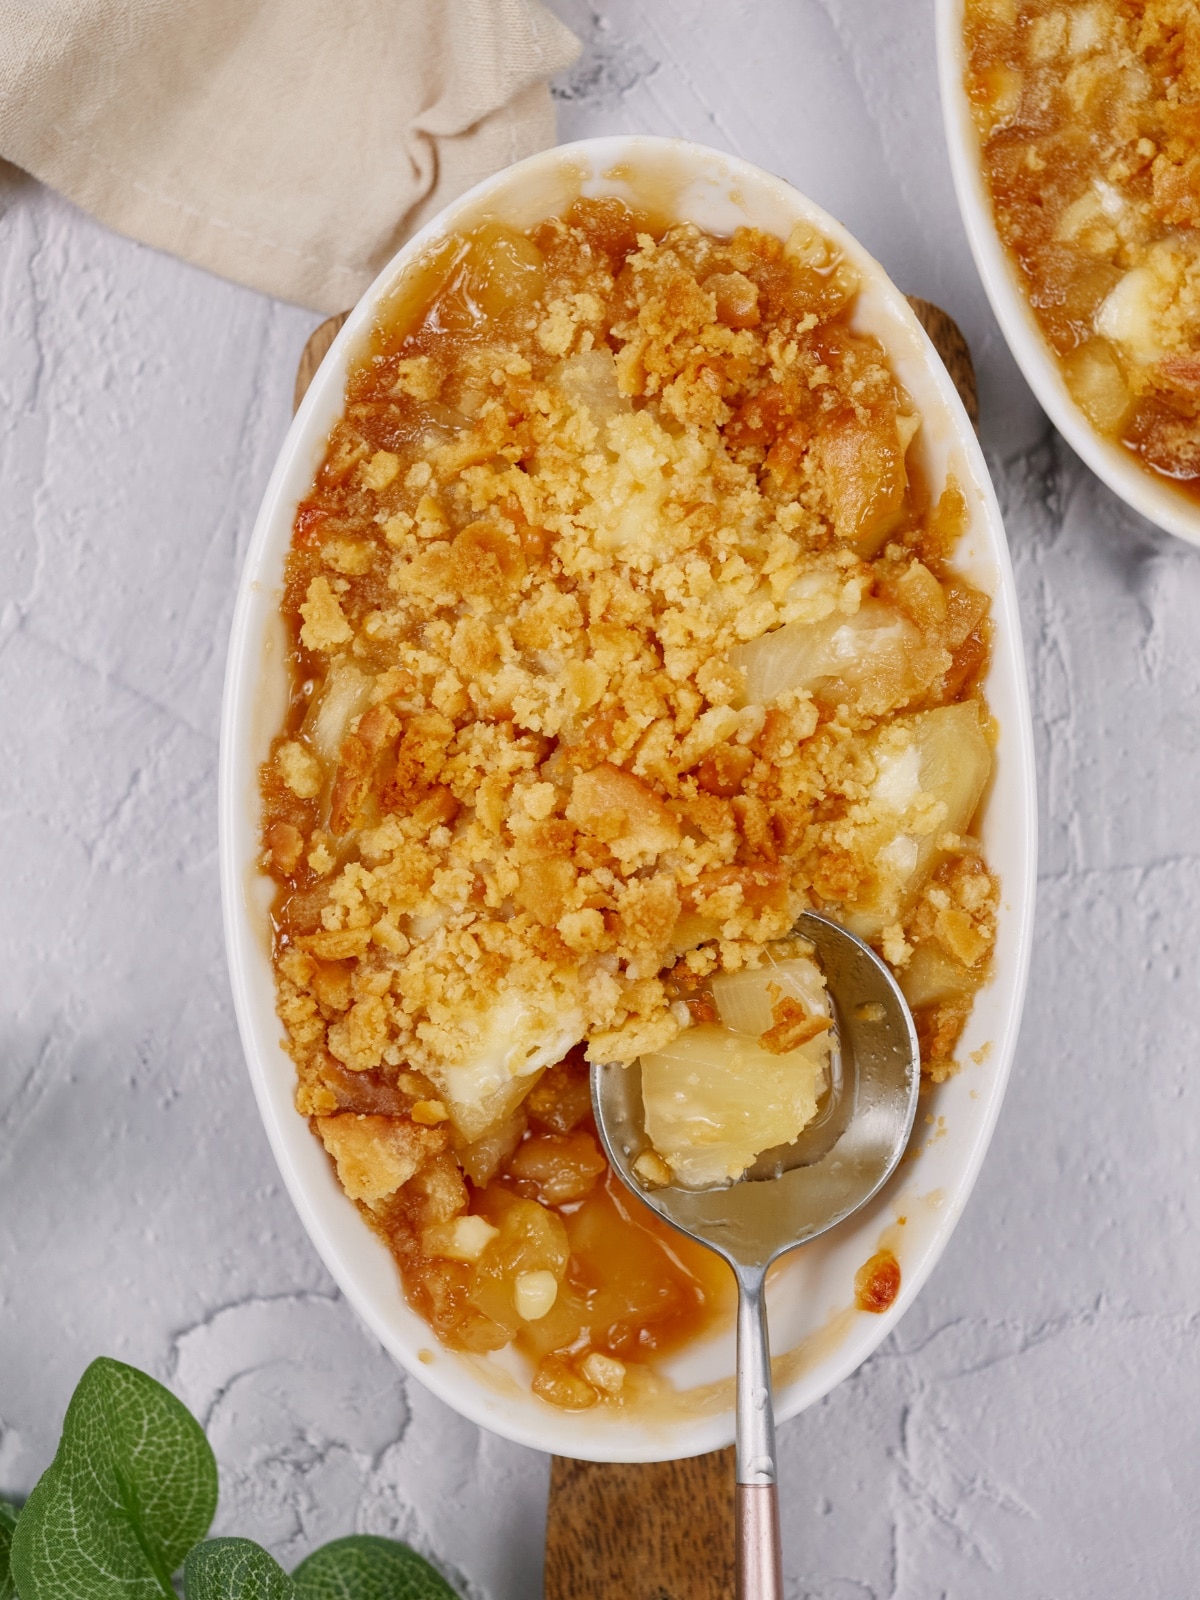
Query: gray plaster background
(1031,1431)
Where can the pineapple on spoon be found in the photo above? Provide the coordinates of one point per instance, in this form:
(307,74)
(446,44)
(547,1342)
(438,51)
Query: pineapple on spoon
(807,1137)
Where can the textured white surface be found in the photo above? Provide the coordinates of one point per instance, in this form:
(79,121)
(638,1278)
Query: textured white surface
(1031,1430)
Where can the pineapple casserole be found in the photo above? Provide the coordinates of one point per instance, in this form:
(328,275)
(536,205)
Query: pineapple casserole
(1088,113)
(624,630)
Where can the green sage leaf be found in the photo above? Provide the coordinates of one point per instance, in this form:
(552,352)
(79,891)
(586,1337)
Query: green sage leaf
(8,1521)
(131,1490)
(234,1569)
(366,1567)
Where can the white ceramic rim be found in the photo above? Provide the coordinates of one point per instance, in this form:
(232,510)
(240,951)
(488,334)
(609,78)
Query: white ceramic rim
(812,1281)
(1166,507)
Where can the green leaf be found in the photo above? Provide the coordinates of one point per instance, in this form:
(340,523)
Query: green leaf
(8,1521)
(365,1567)
(131,1490)
(234,1569)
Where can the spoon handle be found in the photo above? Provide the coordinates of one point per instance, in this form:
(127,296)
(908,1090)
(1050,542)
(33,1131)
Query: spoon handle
(759,1558)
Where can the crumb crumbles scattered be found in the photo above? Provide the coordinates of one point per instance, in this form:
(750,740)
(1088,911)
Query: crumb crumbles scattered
(625,629)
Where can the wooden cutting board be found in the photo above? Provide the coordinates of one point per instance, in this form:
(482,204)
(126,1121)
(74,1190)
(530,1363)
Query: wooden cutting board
(314,353)
(661,1531)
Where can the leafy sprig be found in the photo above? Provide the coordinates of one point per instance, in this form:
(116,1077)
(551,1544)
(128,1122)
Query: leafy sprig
(8,1521)
(128,1499)
(234,1569)
(365,1567)
(132,1489)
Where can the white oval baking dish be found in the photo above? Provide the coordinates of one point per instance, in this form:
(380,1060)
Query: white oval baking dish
(1154,498)
(817,1336)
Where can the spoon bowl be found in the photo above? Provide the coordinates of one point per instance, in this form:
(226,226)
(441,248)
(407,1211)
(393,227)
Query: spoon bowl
(792,1194)
(789,1196)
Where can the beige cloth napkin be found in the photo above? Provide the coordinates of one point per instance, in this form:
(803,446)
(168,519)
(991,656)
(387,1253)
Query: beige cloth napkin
(288,144)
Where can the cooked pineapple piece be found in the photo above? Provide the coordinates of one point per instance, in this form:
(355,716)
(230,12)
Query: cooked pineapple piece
(715,1100)
(590,379)
(460,1239)
(345,692)
(1131,315)
(507,268)
(870,659)
(996,94)
(517,1274)
(932,976)
(865,480)
(512,1042)
(500,273)
(1097,384)
(746,1000)
(717,1097)
(931,770)
(482,1158)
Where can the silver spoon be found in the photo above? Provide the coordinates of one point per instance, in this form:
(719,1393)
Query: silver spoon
(789,1196)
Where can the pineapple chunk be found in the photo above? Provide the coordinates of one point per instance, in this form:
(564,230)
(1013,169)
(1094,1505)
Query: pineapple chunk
(534,1294)
(932,976)
(867,659)
(925,787)
(513,1041)
(745,999)
(1098,386)
(717,1097)
(498,275)
(995,94)
(590,379)
(345,692)
(865,480)
(715,1100)
(1131,315)
(460,1239)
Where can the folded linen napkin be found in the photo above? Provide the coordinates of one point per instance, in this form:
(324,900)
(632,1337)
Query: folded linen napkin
(291,145)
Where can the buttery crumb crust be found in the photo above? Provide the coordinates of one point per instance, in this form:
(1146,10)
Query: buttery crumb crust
(523,775)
